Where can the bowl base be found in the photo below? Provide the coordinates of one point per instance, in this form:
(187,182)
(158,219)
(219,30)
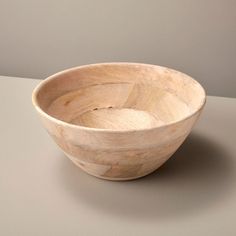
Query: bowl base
(121,179)
(97,170)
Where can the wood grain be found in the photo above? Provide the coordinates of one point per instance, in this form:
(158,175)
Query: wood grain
(119,121)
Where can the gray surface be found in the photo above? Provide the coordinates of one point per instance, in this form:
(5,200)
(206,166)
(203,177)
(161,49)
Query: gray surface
(43,193)
(39,38)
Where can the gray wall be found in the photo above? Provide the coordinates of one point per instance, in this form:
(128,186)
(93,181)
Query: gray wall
(38,38)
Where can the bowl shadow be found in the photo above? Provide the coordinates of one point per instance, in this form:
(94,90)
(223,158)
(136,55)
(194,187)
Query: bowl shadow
(194,179)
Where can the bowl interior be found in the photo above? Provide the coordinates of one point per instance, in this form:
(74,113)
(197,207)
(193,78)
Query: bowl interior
(120,96)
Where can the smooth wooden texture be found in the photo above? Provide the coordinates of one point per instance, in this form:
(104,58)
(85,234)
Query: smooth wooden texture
(119,121)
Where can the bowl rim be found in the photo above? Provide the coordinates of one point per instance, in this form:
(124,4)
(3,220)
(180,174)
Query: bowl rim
(84,128)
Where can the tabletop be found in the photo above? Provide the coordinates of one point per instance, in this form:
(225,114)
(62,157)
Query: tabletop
(43,193)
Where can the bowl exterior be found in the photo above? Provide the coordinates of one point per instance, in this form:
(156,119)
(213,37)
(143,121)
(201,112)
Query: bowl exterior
(119,155)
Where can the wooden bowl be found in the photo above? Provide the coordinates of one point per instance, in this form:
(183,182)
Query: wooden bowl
(119,121)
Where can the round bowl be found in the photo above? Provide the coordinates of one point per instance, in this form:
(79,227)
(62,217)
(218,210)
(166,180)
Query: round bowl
(119,121)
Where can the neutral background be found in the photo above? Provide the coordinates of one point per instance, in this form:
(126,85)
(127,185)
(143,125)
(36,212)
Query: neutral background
(198,37)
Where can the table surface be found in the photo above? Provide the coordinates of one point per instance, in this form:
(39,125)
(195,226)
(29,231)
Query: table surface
(44,193)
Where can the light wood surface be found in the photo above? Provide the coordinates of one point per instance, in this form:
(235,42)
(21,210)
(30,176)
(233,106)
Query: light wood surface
(119,121)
